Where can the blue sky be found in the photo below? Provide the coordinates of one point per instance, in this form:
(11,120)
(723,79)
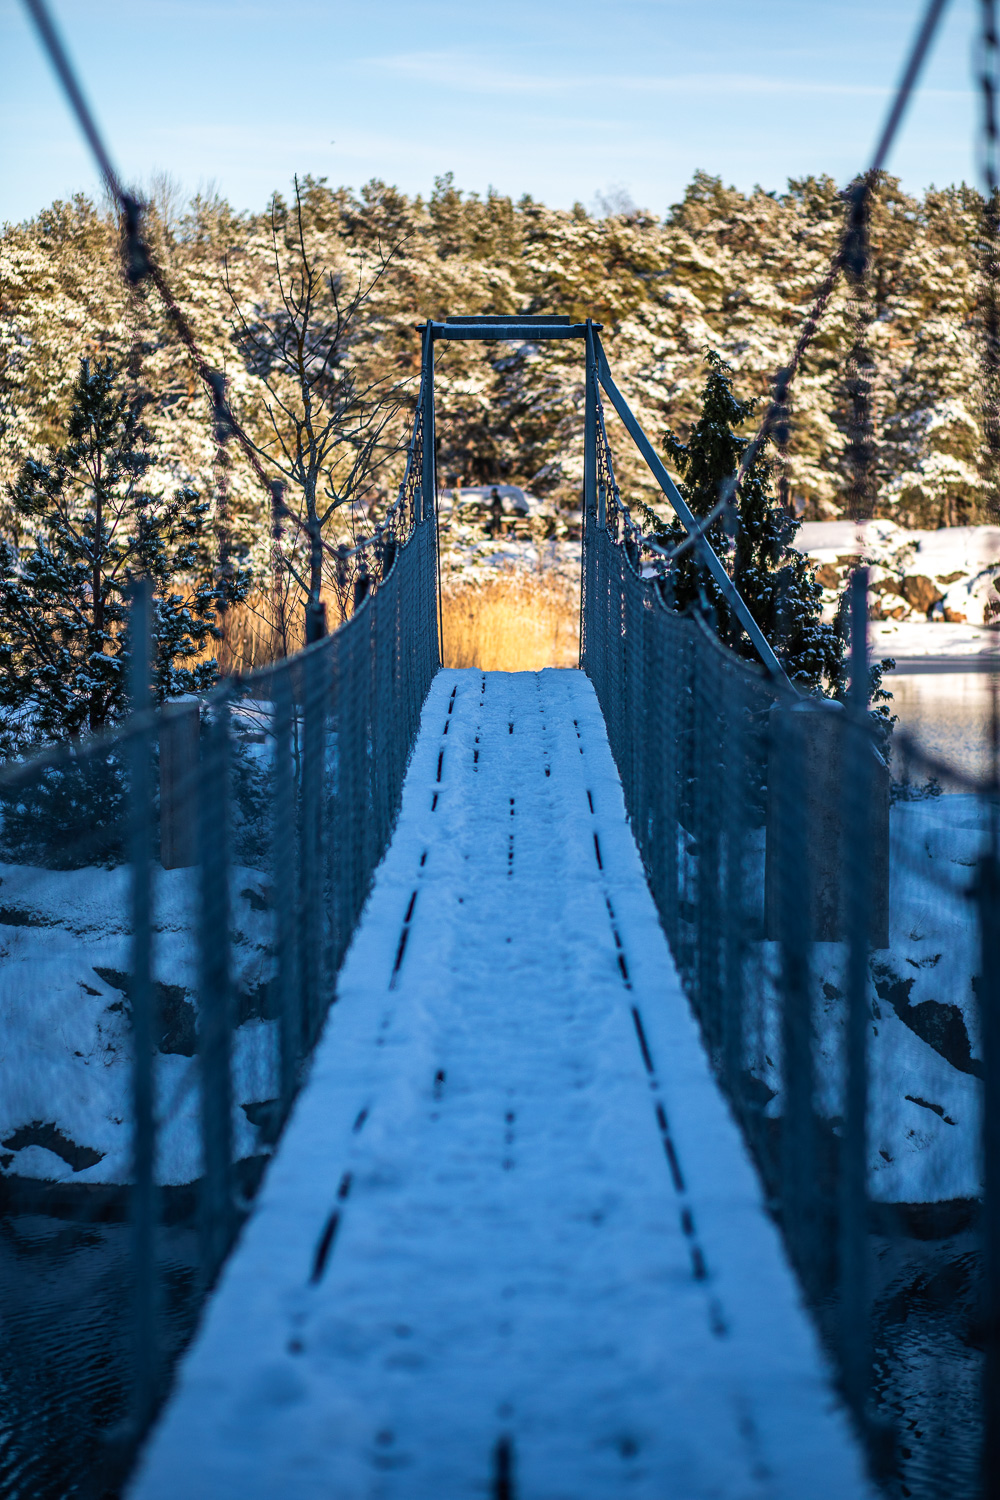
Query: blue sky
(559,98)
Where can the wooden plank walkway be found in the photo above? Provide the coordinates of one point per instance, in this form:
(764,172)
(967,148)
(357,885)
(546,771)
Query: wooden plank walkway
(511,1244)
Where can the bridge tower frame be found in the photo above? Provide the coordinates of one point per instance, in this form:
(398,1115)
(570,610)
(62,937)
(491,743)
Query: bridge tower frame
(537,328)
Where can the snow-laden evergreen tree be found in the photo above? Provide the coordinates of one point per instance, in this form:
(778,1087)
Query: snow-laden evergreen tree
(94,528)
(733,271)
(774,579)
(931,441)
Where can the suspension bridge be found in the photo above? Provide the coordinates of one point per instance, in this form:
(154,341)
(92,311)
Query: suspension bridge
(489,1094)
(512,1241)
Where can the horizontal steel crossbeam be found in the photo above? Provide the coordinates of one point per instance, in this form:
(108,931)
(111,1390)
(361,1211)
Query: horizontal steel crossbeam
(507,329)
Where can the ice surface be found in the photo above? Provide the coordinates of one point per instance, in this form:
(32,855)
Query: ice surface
(471,1234)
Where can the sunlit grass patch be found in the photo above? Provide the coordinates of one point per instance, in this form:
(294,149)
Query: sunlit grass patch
(514,621)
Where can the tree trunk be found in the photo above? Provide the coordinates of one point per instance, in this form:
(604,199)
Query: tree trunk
(315,611)
(315,565)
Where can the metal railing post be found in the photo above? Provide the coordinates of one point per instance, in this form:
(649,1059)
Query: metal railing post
(734,821)
(427,475)
(180,730)
(285,875)
(588,578)
(711,915)
(312,815)
(988,901)
(428,481)
(146,1372)
(856,892)
(215,1021)
(786,784)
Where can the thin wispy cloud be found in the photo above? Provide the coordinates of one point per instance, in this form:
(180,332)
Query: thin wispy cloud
(468,74)
(516,95)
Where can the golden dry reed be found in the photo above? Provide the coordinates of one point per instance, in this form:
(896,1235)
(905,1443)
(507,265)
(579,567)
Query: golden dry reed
(511,622)
(254,634)
(250,638)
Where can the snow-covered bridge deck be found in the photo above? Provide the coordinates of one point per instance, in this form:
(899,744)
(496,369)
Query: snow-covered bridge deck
(511,1244)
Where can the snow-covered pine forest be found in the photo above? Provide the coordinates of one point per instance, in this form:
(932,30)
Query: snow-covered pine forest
(721,269)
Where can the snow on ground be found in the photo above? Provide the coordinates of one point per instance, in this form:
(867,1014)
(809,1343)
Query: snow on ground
(941,681)
(65,1027)
(924,1058)
(467,556)
(945,575)
(473,1242)
(912,642)
(530,536)
(926,1088)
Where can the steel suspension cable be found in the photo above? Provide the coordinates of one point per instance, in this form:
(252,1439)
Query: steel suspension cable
(849,252)
(141,265)
(775,417)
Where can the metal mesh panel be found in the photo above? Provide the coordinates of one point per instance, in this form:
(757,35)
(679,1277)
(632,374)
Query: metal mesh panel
(764,823)
(175,902)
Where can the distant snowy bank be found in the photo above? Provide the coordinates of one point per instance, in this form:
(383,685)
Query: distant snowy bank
(943,578)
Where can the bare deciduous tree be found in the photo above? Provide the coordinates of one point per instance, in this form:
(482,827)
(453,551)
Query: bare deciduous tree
(331,426)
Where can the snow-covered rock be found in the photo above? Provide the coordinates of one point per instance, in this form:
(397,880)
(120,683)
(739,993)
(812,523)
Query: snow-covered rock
(65,1027)
(945,576)
(925,1072)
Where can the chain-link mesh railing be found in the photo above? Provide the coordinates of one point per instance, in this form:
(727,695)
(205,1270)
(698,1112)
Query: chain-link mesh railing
(824,921)
(176,899)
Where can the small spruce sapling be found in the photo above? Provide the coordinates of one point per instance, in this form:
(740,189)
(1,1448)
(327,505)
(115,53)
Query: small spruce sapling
(94,528)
